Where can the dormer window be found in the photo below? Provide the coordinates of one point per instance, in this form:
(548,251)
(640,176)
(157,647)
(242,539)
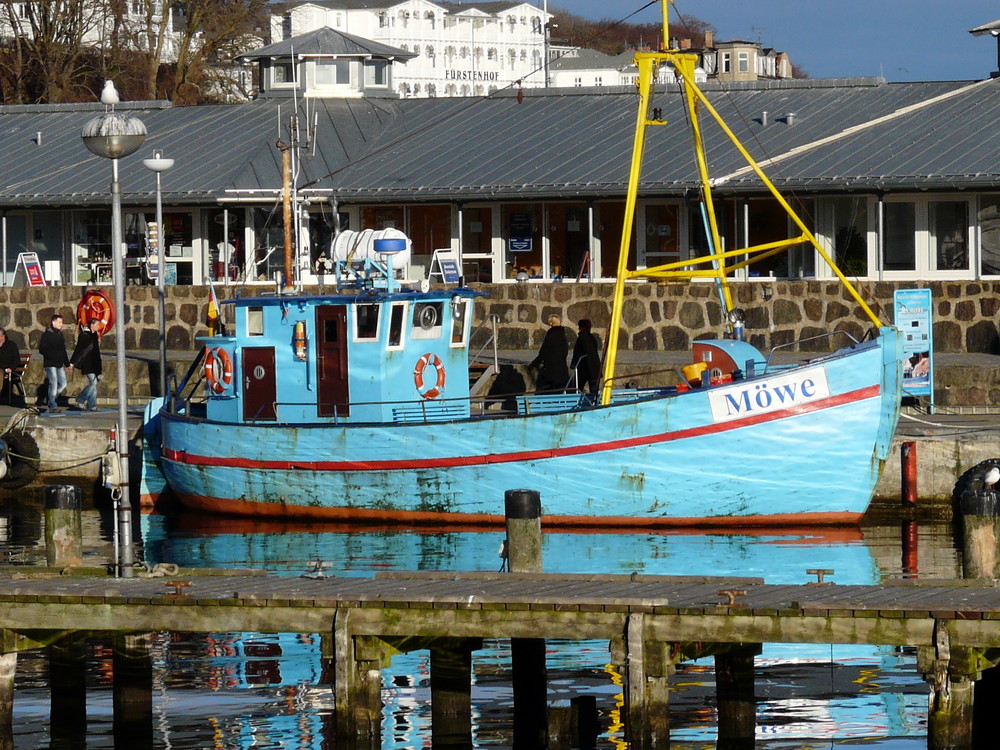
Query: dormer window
(283,72)
(376,73)
(333,72)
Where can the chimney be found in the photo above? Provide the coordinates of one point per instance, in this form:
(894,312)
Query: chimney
(763,118)
(685,44)
(709,39)
(790,118)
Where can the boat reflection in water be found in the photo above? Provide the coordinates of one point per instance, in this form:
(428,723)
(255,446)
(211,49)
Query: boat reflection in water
(846,693)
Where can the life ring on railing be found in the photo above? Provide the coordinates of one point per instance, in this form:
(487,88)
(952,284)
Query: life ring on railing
(418,376)
(218,369)
(96,304)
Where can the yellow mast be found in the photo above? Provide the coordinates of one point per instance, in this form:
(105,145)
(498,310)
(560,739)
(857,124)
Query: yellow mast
(715,264)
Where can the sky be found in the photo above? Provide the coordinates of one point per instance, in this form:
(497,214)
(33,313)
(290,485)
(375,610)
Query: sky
(901,40)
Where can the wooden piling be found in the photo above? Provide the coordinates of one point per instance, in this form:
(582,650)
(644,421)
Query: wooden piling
(736,698)
(8,666)
(523,512)
(979,512)
(132,694)
(949,718)
(648,666)
(68,694)
(63,527)
(358,662)
(451,692)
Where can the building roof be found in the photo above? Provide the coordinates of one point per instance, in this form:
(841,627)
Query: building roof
(825,136)
(327,42)
(587,59)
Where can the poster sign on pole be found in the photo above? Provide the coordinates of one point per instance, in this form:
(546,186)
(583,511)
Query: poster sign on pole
(914,319)
(152,250)
(28,271)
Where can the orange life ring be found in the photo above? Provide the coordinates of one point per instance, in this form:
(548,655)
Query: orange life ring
(418,376)
(96,305)
(218,369)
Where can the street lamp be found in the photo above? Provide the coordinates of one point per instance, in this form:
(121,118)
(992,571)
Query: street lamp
(111,136)
(159,165)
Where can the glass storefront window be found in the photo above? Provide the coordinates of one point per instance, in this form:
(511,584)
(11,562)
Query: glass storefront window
(989,234)
(662,234)
(948,228)
(900,227)
(523,238)
(848,232)
(477,243)
(569,239)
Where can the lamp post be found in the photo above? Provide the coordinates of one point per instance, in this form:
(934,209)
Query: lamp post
(159,165)
(111,136)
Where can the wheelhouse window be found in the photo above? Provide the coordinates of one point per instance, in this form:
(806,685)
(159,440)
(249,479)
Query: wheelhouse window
(255,321)
(459,318)
(397,316)
(366,322)
(427,318)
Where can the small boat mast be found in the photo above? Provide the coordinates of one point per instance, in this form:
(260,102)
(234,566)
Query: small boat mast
(717,264)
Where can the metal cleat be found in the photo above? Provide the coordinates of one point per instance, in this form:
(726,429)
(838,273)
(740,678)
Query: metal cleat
(316,568)
(179,587)
(820,573)
(731,595)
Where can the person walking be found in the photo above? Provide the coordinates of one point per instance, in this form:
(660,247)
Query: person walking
(554,374)
(52,347)
(587,358)
(87,359)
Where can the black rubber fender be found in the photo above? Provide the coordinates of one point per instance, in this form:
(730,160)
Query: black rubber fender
(23,456)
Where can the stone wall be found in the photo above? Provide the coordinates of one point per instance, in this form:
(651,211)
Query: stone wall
(656,317)
(670,316)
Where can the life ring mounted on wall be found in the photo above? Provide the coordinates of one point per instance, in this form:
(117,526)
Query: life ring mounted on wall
(218,369)
(418,376)
(96,305)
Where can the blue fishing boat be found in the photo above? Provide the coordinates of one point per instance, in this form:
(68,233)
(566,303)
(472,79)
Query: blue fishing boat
(356,405)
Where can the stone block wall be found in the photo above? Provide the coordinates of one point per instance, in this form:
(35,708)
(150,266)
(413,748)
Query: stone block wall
(665,317)
(670,316)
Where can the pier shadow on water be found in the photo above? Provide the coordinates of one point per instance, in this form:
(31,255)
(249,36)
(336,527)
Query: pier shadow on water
(243,690)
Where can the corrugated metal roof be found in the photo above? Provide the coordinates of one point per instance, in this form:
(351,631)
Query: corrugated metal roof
(559,143)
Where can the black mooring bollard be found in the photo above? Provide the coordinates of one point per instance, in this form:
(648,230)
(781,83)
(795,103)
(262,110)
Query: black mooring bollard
(523,510)
(63,527)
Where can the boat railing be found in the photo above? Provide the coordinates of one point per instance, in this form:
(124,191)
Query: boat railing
(768,367)
(175,390)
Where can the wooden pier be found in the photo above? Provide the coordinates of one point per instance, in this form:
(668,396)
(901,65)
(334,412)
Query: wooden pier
(650,622)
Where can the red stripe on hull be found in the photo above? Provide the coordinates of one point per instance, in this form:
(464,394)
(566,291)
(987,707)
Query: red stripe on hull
(411,517)
(190,459)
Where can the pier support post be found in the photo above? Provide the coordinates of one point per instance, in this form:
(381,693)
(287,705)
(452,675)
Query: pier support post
(648,666)
(523,511)
(734,686)
(68,694)
(8,666)
(63,527)
(451,692)
(132,695)
(950,672)
(357,683)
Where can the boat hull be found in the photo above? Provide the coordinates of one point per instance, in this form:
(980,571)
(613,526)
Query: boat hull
(802,447)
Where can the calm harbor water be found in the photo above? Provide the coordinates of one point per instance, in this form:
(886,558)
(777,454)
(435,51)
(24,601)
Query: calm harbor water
(247,690)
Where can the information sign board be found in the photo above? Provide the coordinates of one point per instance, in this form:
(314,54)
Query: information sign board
(914,319)
(519,239)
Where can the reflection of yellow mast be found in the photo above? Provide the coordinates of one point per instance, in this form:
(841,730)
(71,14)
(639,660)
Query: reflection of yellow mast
(717,263)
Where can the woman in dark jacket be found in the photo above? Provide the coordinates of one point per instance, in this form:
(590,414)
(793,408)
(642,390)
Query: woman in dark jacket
(52,347)
(87,359)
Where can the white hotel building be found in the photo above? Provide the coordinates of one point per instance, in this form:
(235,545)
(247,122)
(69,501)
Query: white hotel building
(460,50)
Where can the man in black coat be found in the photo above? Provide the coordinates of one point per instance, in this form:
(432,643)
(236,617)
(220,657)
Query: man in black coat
(551,359)
(10,360)
(587,358)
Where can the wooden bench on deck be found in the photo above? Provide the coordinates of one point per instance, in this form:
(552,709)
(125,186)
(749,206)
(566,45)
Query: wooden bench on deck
(16,377)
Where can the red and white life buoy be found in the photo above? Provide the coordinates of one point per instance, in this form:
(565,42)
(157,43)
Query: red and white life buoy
(418,376)
(218,369)
(96,305)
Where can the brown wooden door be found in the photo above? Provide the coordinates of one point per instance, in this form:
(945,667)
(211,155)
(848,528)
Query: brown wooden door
(259,394)
(331,361)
